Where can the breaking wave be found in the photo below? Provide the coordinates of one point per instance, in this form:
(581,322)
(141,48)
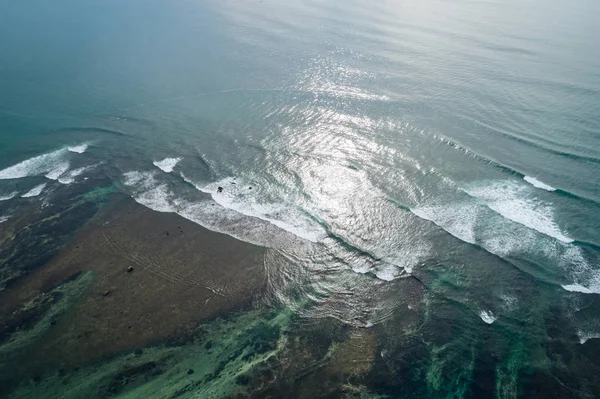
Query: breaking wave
(34,192)
(536,183)
(167,164)
(51,165)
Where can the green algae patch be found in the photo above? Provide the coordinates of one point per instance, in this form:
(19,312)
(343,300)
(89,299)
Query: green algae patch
(100,194)
(218,362)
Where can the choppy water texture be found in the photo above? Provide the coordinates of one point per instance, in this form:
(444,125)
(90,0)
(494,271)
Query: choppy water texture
(422,174)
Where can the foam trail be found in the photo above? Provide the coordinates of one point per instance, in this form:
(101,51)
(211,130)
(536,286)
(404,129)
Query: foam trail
(61,168)
(512,202)
(487,316)
(8,196)
(4,218)
(167,164)
(34,192)
(69,177)
(536,183)
(79,149)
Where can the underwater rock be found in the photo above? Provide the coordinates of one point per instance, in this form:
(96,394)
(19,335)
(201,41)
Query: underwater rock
(190,371)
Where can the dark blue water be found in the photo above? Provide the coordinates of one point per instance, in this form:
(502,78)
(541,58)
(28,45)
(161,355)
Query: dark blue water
(457,142)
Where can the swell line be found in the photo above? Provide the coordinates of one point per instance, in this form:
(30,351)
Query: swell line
(508,169)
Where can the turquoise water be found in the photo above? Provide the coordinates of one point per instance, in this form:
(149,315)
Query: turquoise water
(452,142)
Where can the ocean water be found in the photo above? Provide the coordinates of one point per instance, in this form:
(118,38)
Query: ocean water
(452,142)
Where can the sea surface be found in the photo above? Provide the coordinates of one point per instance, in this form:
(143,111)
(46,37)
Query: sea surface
(455,142)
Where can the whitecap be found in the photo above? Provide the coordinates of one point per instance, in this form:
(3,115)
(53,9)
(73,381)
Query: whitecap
(60,168)
(536,183)
(6,197)
(79,149)
(34,192)
(487,316)
(4,218)
(167,164)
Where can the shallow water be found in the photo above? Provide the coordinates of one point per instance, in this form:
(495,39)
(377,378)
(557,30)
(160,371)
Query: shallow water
(426,171)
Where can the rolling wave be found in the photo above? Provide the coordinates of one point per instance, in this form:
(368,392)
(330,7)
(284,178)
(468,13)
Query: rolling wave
(510,170)
(502,219)
(51,164)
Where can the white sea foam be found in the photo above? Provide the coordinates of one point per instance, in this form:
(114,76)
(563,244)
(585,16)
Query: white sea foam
(586,281)
(38,165)
(69,177)
(498,219)
(584,337)
(510,302)
(536,183)
(167,164)
(580,288)
(58,170)
(387,272)
(513,202)
(51,164)
(149,191)
(34,192)
(6,197)
(79,149)
(487,316)
(238,196)
(4,218)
